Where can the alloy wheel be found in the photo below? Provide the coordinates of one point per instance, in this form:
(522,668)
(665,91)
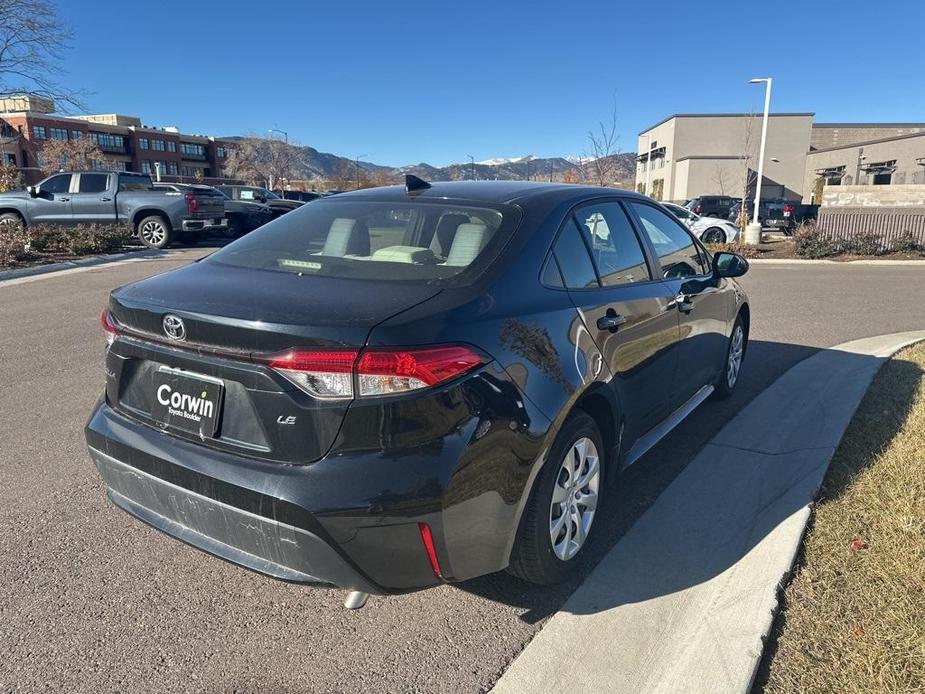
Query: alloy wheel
(153,233)
(737,342)
(574,499)
(714,236)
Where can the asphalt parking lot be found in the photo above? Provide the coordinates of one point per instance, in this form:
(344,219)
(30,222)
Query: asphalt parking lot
(91,601)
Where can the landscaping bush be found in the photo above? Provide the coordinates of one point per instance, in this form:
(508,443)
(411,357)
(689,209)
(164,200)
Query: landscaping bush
(862,244)
(810,243)
(79,240)
(740,248)
(14,243)
(908,244)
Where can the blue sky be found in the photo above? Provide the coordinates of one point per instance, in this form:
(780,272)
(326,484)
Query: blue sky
(404,82)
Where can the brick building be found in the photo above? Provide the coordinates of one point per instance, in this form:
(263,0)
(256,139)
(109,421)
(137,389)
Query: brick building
(27,122)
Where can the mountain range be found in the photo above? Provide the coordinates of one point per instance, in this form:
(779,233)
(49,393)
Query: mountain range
(323,165)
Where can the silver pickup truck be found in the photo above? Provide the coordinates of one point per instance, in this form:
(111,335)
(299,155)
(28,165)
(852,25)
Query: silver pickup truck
(98,197)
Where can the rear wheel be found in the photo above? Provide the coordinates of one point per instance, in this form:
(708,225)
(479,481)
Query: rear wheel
(735,353)
(559,515)
(154,232)
(714,235)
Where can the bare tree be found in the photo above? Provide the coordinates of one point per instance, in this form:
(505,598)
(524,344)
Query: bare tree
(32,39)
(10,177)
(721,179)
(77,155)
(750,177)
(602,143)
(262,160)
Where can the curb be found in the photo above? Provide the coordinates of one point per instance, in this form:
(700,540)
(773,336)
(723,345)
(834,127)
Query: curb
(687,597)
(795,261)
(90,261)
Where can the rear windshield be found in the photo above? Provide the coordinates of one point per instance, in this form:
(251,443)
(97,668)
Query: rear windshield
(373,240)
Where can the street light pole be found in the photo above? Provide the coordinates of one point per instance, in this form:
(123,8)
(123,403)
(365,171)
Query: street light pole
(357,162)
(472,166)
(648,162)
(277,130)
(753,231)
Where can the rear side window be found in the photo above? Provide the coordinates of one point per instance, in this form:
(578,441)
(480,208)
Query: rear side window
(574,261)
(93,183)
(135,183)
(376,240)
(677,253)
(614,246)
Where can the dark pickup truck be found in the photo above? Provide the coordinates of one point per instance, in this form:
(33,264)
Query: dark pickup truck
(99,197)
(777,213)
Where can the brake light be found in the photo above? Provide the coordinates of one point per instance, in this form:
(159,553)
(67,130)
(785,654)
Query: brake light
(192,204)
(331,374)
(788,209)
(428,539)
(109,325)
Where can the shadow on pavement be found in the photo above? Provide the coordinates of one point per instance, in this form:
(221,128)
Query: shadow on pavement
(685,550)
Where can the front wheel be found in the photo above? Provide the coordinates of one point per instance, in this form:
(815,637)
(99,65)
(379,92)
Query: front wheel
(559,514)
(154,232)
(10,220)
(714,235)
(735,353)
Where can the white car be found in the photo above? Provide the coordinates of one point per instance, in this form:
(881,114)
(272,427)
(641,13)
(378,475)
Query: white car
(707,229)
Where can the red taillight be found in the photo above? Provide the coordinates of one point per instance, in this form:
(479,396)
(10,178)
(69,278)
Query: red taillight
(788,208)
(192,204)
(378,371)
(428,539)
(109,325)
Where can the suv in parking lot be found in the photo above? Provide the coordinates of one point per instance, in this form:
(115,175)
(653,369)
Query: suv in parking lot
(711,205)
(278,206)
(777,213)
(398,387)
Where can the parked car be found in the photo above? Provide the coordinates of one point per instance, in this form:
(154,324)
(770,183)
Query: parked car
(399,387)
(711,205)
(707,229)
(300,195)
(241,217)
(277,205)
(777,213)
(97,197)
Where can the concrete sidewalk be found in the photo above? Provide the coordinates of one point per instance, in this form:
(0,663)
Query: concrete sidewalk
(684,601)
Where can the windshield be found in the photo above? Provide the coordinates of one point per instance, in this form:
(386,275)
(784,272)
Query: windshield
(383,241)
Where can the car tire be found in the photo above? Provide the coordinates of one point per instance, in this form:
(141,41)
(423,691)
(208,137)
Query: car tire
(713,235)
(154,232)
(11,219)
(732,365)
(557,520)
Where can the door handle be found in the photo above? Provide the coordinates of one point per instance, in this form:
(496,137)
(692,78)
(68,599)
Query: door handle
(684,302)
(64,199)
(106,199)
(612,321)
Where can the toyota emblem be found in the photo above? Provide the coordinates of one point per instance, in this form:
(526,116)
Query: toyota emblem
(173,327)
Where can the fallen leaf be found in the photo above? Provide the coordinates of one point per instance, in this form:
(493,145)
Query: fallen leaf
(858,630)
(858,544)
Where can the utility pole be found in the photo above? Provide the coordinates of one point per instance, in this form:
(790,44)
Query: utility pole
(472,166)
(753,230)
(277,130)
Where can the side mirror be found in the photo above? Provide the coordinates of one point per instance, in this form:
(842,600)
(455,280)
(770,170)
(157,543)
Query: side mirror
(33,191)
(729,264)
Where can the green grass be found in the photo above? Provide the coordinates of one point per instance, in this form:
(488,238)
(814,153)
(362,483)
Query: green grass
(853,617)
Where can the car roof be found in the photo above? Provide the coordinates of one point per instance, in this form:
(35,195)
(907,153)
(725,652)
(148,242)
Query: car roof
(516,192)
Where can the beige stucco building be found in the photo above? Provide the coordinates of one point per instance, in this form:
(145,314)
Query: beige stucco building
(710,154)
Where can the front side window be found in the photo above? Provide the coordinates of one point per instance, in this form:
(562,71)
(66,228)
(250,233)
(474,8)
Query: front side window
(572,255)
(93,183)
(376,240)
(57,184)
(677,252)
(614,246)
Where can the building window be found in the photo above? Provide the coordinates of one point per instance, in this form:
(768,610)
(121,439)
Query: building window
(10,159)
(171,146)
(58,133)
(172,168)
(108,140)
(142,143)
(220,152)
(193,150)
(98,165)
(145,166)
(76,134)
(6,130)
(157,145)
(38,132)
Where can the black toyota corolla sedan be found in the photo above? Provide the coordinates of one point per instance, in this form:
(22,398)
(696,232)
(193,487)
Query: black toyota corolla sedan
(398,387)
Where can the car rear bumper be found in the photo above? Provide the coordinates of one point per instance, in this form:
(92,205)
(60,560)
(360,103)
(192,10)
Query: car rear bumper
(204,224)
(351,519)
